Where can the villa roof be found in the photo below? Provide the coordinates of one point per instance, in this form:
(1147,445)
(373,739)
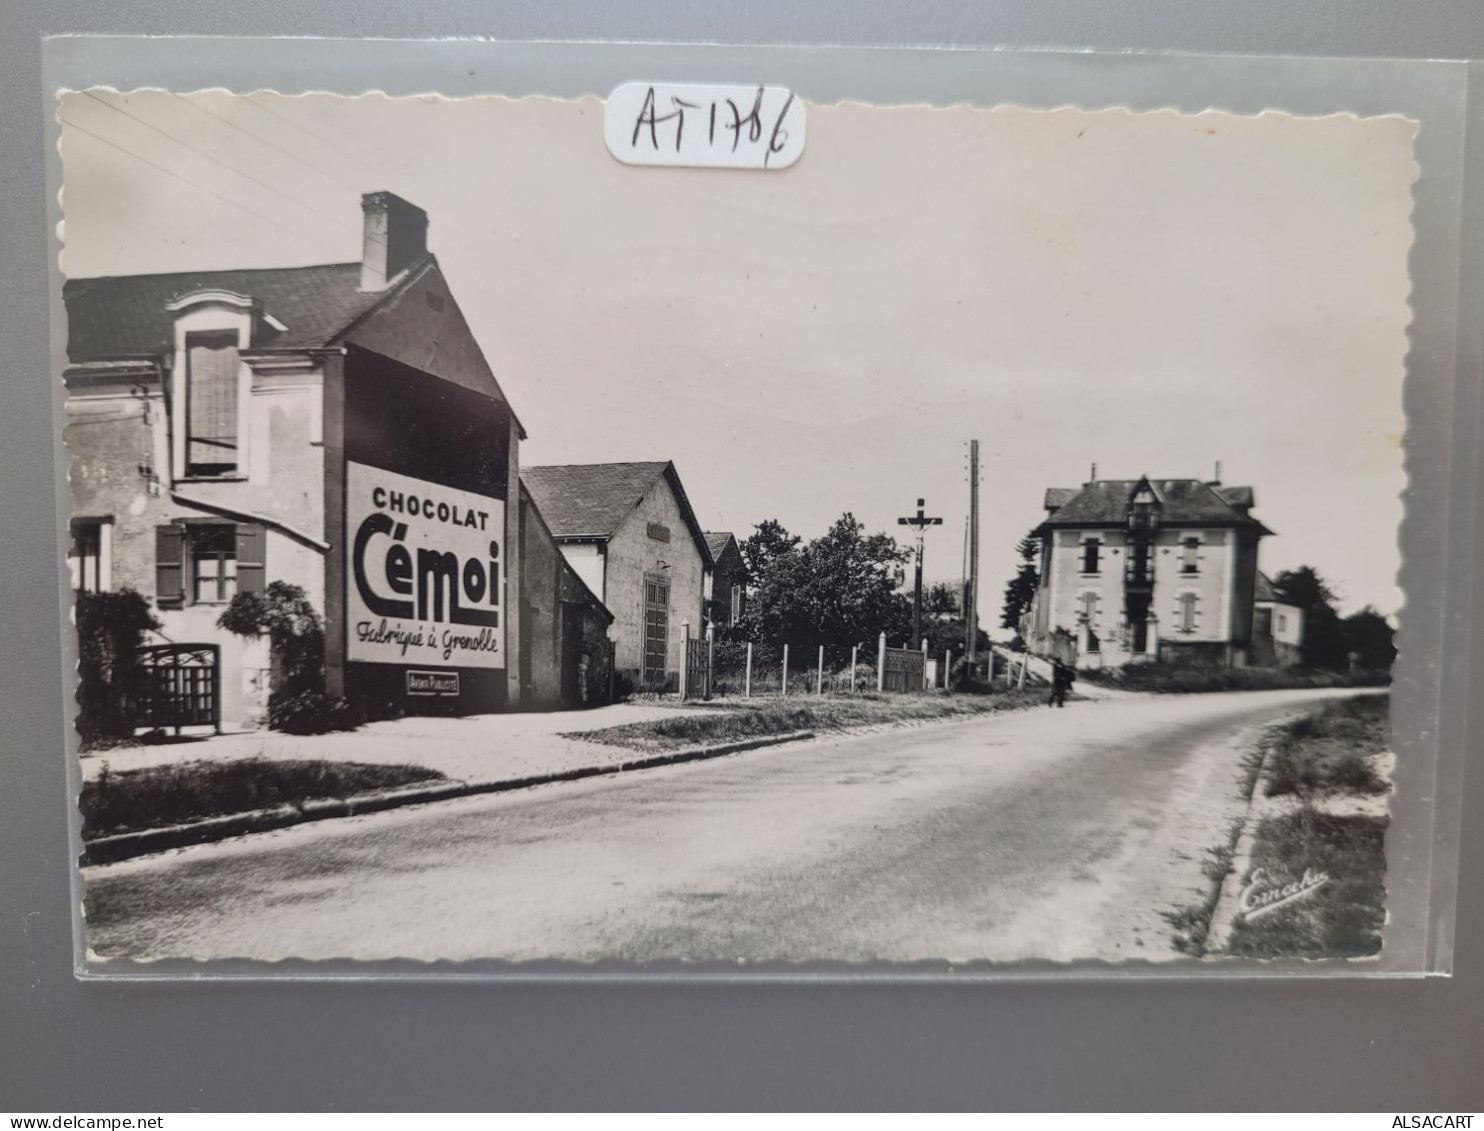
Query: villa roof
(1188,502)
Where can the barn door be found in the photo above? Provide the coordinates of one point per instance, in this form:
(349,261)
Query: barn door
(656,632)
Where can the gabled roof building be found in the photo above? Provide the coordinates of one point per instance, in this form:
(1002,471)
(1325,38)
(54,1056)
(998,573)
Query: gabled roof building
(335,427)
(1142,569)
(629,531)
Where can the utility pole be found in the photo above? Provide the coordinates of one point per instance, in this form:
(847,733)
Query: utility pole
(971,590)
(919,522)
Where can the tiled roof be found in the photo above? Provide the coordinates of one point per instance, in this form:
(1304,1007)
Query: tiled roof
(1263,590)
(589,500)
(125,315)
(1058,496)
(1104,502)
(716,541)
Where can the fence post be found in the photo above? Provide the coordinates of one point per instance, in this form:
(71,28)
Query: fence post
(747,680)
(710,658)
(819,679)
(925,684)
(881,664)
(684,658)
(854,648)
(1025,660)
(947,661)
(785,670)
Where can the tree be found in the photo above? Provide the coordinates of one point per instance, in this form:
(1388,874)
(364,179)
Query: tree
(942,600)
(840,589)
(110,633)
(1022,587)
(1323,645)
(768,542)
(1368,637)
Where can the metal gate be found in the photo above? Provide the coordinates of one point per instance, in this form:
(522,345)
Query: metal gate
(182,686)
(698,668)
(903,670)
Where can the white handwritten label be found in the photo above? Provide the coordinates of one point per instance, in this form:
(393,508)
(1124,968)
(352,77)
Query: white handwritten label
(701,126)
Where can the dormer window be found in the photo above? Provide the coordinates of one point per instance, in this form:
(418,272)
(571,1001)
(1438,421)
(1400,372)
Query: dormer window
(211,381)
(1141,510)
(211,390)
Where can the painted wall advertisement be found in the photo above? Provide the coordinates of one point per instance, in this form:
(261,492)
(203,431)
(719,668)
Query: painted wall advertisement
(423,572)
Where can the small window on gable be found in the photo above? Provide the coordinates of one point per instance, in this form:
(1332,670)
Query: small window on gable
(211,392)
(1090,555)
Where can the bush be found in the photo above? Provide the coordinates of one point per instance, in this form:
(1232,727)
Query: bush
(1197,678)
(298,703)
(309,712)
(160,796)
(110,634)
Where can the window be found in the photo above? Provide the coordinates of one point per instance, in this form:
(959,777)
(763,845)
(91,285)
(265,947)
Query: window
(213,565)
(1089,601)
(736,603)
(208,563)
(1090,550)
(88,559)
(1282,622)
(1190,555)
(211,387)
(1185,616)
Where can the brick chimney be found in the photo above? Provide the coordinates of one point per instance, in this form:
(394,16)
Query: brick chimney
(395,237)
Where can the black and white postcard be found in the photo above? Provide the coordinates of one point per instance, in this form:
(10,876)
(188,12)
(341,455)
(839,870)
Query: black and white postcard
(710,526)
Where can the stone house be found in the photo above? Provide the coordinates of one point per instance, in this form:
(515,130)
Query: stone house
(726,589)
(629,532)
(336,427)
(1277,627)
(1148,569)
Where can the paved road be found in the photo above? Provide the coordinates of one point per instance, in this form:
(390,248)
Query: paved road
(1055,834)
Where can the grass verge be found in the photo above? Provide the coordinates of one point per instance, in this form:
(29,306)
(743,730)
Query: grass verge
(1176,679)
(1331,750)
(1343,917)
(160,796)
(738,719)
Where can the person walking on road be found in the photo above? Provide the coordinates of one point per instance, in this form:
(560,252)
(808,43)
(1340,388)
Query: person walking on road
(1061,683)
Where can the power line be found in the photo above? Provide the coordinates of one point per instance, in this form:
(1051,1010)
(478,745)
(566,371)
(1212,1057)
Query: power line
(216,160)
(194,184)
(264,141)
(319,138)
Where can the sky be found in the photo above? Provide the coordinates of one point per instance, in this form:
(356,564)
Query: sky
(1151,293)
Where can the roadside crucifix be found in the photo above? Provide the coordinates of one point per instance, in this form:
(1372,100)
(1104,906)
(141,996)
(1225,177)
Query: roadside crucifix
(919,522)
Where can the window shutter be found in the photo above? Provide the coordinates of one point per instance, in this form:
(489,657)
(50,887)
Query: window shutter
(169,576)
(252,552)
